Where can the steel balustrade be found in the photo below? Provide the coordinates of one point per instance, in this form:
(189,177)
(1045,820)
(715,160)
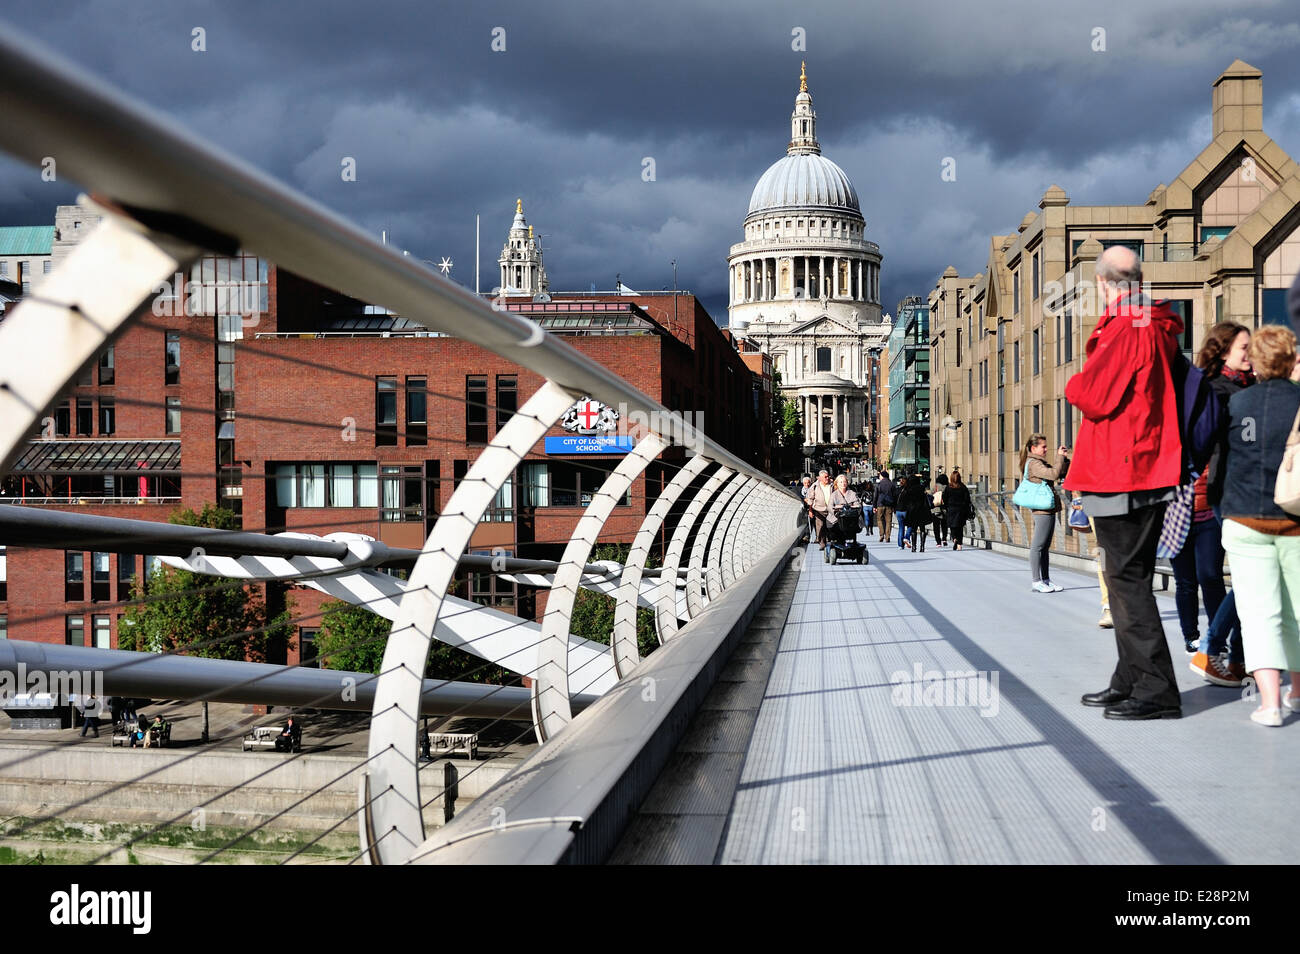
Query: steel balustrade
(166,196)
(626,651)
(666,615)
(551,711)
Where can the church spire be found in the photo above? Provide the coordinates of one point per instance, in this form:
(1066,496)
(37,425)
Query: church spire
(803,121)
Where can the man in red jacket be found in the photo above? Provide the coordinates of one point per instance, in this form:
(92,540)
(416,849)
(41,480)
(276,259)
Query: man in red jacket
(1127,464)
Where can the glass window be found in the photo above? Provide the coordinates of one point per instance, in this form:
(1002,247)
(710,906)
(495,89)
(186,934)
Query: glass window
(476,415)
(1015,292)
(173,415)
(107,417)
(107,371)
(1035,276)
(1015,362)
(1036,353)
(507,398)
(99,576)
(75,632)
(4,626)
(102,632)
(823,359)
(307,647)
(386,412)
(367,485)
(172,358)
(417,417)
(534,485)
(1209,232)
(342,483)
(85,416)
(313,485)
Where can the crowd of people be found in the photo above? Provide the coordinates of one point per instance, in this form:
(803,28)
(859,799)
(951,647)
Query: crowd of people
(1147,480)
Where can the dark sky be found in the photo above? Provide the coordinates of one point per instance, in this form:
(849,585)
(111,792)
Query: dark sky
(442,125)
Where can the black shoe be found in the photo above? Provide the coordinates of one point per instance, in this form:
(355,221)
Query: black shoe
(1107,697)
(1138,709)
(1192,645)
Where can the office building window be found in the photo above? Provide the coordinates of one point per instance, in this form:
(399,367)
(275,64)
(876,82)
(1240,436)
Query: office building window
(1015,363)
(1015,290)
(488,589)
(85,417)
(46,267)
(125,570)
(172,358)
(4,626)
(476,411)
(401,491)
(173,422)
(312,484)
(107,417)
(459,468)
(307,647)
(1068,318)
(417,411)
(1038,423)
(1035,279)
(74,576)
(1068,438)
(4,269)
(507,398)
(386,412)
(1036,352)
(75,631)
(959,347)
(99,577)
(107,371)
(226,375)
(103,634)
(1015,428)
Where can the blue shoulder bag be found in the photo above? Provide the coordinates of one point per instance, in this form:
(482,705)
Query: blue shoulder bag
(1035,496)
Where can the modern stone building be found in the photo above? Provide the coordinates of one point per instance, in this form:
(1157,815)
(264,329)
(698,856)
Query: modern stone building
(1222,241)
(805,284)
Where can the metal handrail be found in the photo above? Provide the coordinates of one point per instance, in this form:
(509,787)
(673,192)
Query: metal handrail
(143,162)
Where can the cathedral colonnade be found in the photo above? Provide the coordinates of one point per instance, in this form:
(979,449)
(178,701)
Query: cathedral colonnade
(827,417)
(788,277)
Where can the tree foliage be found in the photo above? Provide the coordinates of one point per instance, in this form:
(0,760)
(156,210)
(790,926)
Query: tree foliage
(593,613)
(198,614)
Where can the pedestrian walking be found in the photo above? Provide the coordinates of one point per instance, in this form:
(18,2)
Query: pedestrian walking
(90,715)
(957,508)
(1225,361)
(1038,493)
(1262,539)
(1127,463)
(914,512)
(886,497)
(937,514)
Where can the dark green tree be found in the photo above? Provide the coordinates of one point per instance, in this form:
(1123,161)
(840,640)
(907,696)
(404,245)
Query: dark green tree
(198,614)
(593,613)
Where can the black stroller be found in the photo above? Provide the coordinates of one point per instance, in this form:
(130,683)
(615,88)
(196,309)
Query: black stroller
(842,537)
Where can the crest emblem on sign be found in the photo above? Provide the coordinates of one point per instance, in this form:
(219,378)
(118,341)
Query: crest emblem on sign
(590,417)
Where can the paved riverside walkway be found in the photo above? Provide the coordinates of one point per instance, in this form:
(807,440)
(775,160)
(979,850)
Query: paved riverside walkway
(846,765)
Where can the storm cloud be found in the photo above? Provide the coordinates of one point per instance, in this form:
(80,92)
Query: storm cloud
(443,125)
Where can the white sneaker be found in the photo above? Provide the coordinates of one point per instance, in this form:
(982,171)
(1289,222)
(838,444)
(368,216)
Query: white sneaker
(1054,588)
(1041,587)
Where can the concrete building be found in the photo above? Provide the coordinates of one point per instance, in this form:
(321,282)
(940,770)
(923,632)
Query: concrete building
(1222,241)
(805,284)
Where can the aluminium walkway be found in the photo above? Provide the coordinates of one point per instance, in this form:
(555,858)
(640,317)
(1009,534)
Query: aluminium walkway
(854,759)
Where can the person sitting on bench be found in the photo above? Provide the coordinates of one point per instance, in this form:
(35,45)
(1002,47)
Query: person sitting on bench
(153,736)
(290,739)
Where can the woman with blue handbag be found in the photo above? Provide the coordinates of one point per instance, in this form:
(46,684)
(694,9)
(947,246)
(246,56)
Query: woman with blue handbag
(1036,493)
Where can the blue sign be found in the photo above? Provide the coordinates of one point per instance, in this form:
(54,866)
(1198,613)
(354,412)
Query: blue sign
(589,444)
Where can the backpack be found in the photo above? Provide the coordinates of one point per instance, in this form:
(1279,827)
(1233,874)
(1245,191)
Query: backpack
(1201,417)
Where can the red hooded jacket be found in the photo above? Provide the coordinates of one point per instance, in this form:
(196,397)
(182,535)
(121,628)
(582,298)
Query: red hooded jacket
(1129,437)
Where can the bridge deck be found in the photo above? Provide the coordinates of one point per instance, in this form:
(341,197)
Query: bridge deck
(840,769)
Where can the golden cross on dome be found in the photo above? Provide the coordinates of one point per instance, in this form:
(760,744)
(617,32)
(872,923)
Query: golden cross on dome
(803,76)
(519,206)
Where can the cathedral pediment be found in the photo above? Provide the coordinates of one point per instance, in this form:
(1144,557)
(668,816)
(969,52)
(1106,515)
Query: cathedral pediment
(823,325)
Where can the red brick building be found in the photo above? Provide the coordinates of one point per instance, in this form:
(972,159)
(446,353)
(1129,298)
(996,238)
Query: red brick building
(317,413)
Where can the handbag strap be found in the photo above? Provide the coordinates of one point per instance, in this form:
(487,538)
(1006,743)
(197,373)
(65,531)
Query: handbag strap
(1294,437)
